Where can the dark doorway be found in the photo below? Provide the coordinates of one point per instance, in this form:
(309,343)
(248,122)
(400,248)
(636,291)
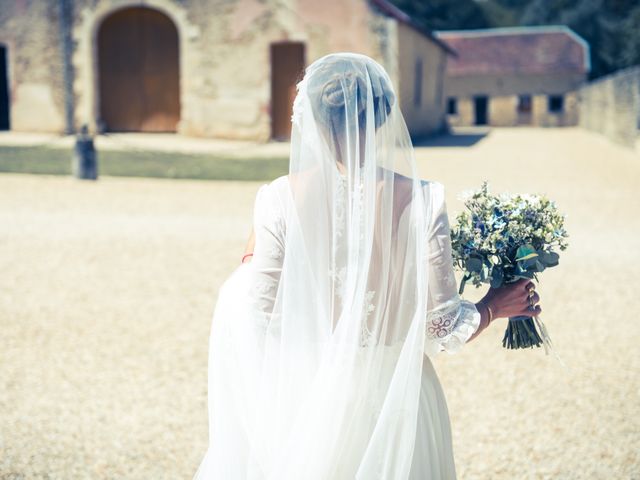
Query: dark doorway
(139,72)
(525,107)
(287,68)
(4,89)
(481,104)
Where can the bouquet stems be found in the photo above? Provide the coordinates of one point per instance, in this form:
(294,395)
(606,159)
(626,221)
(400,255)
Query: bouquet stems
(521,333)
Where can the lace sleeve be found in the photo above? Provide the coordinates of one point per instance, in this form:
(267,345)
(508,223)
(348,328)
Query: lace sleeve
(266,263)
(450,320)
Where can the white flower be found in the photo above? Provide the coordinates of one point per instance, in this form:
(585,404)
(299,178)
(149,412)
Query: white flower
(466,195)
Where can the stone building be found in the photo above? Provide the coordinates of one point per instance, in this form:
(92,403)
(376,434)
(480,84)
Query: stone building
(515,76)
(209,68)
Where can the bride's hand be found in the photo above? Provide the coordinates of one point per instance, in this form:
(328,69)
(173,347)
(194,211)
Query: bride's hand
(513,299)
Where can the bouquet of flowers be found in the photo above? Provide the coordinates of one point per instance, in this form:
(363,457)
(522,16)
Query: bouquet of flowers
(501,239)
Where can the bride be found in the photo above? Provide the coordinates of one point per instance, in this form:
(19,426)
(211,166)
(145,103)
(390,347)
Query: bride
(322,339)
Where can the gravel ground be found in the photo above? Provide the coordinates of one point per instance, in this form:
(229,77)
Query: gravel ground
(107,290)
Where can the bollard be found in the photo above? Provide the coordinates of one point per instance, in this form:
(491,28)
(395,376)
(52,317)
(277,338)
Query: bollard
(85,165)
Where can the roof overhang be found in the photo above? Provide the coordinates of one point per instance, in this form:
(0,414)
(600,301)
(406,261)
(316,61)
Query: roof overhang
(392,11)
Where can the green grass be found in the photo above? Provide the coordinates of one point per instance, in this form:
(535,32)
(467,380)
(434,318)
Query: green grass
(55,161)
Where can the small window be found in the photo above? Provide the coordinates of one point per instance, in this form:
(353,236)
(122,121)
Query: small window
(417,85)
(556,103)
(452,106)
(524,104)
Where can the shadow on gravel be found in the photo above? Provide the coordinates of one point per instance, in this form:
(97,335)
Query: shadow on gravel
(461,138)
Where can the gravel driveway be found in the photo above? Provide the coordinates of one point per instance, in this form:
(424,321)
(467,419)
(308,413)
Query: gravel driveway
(107,290)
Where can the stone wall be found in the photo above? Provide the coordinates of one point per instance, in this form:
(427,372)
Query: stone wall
(542,117)
(611,106)
(421,65)
(505,85)
(30,32)
(502,111)
(224,59)
(503,91)
(225,70)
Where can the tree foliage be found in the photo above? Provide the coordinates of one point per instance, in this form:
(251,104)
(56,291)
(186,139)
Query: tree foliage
(611,27)
(445,14)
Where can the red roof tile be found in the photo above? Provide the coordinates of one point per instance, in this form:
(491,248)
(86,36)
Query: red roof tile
(528,50)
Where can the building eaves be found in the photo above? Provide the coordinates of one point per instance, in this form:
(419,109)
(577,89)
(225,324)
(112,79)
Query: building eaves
(390,10)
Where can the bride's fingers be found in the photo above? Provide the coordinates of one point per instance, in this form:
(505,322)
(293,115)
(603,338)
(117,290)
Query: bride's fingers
(529,285)
(530,311)
(532,299)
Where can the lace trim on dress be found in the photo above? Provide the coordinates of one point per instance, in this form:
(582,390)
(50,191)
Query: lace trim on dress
(340,204)
(368,338)
(340,207)
(452,324)
(275,253)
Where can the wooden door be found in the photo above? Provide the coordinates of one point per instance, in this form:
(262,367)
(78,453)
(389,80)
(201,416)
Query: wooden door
(287,68)
(138,64)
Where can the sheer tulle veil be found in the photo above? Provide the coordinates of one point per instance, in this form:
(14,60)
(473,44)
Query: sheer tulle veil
(320,379)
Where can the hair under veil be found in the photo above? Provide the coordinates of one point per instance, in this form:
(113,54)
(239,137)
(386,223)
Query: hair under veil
(317,344)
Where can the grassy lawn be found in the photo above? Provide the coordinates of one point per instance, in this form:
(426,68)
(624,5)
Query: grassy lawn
(54,161)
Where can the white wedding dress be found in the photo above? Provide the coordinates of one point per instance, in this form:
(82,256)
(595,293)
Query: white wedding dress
(451,322)
(320,346)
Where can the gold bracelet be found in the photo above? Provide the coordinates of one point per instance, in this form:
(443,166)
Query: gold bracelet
(486,305)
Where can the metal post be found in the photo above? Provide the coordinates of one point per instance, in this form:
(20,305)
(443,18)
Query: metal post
(85,163)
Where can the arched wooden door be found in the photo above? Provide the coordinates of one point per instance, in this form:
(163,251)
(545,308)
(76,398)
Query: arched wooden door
(287,68)
(139,71)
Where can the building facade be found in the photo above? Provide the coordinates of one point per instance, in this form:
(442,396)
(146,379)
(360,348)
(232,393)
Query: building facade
(515,76)
(208,68)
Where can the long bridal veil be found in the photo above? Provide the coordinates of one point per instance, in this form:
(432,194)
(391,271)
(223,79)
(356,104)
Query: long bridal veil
(317,344)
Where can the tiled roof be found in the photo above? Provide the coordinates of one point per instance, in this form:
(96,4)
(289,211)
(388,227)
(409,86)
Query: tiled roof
(518,50)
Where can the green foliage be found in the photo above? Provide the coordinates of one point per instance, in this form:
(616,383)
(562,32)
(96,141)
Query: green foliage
(630,39)
(445,14)
(55,161)
(501,238)
(611,27)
